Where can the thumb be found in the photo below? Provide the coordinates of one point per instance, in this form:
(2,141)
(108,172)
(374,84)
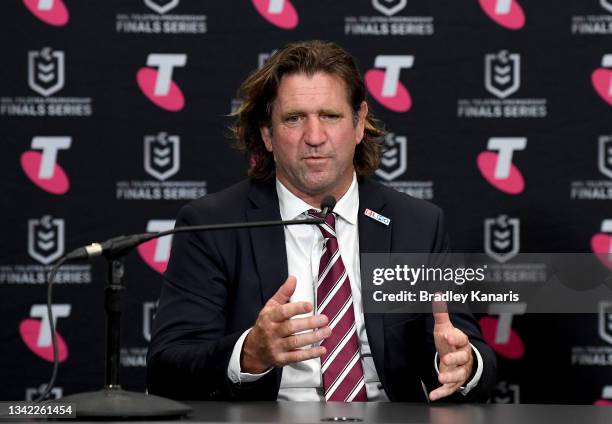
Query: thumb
(284,292)
(440,313)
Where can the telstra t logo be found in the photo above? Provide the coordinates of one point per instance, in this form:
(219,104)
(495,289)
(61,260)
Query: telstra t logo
(157,84)
(601,243)
(36,334)
(498,169)
(498,332)
(156,252)
(385,86)
(280,13)
(52,12)
(602,79)
(506,13)
(42,168)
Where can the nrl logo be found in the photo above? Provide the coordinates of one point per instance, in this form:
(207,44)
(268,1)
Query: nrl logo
(161,6)
(605,321)
(502,73)
(605,156)
(46,239)
(389,7)
(394,157)
(46,71)
(502,238)
(161,155)
(149,309)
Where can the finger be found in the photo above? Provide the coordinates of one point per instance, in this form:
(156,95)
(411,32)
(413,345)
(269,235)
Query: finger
(284,292)
(456,338)
(300,355)
(284,312)
(457,358)
(443,391)
(292,326)
(297,341)
(453,376)
(440,312)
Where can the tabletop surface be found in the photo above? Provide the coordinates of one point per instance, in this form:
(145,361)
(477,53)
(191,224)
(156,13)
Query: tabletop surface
(318,412)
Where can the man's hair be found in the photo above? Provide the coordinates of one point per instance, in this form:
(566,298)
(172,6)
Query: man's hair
(260,89)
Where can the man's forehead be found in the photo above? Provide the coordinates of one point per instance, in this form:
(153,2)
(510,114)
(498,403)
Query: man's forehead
(297,88)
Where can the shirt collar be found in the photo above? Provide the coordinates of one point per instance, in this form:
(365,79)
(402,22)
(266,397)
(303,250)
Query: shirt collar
(291,206)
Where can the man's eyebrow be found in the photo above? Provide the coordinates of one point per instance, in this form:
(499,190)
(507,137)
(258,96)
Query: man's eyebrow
(324,111)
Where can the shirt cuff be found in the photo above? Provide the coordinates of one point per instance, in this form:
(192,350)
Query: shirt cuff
(234,373)
(464,390)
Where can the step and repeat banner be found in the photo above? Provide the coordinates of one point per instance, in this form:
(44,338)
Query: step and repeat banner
(113,114)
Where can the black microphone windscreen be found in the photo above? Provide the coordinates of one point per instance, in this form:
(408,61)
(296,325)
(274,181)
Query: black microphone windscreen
(328,203)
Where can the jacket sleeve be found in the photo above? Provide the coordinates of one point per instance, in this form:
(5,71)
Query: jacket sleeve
(190,347)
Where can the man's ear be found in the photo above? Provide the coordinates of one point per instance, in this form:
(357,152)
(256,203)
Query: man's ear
(361,119)
(266,135)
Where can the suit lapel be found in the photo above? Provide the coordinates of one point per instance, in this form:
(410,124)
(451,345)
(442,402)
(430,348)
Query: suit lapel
(374,237)
(269,242)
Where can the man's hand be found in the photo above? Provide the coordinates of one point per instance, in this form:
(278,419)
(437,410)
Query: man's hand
(272,341)
(454,351)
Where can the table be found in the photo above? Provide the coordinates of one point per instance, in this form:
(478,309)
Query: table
(315,412)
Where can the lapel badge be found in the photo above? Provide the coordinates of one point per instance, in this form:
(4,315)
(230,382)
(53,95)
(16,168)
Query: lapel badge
(377,217)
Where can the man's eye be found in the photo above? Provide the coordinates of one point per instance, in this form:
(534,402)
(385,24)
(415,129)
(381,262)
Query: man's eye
(292,119)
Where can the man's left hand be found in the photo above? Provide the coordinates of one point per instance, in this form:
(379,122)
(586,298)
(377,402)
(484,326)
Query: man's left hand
(454,351)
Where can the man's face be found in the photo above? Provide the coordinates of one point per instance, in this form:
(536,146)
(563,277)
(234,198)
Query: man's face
(313,135)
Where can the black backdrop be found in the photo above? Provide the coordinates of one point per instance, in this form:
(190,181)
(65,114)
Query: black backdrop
(89,151)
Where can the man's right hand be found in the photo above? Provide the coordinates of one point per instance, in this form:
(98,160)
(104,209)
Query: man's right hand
(272,341)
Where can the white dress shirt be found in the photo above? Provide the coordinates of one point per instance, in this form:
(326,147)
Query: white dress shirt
(304,243)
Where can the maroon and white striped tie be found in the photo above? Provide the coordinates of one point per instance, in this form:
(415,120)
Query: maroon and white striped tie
(343,378)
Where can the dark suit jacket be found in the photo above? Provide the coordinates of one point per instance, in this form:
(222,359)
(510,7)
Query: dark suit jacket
(217,282)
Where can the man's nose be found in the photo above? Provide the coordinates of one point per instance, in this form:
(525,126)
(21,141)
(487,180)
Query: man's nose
(314,132)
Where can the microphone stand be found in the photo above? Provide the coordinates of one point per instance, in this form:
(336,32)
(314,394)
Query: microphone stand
(112,401)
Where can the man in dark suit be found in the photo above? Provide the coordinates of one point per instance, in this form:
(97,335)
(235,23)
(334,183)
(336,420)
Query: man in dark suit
(276,313)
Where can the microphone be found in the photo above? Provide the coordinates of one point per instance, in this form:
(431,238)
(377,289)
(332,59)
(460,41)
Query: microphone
(119,246)
(327,205)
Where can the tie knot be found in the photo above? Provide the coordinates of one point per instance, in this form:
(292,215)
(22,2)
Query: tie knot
(329,228)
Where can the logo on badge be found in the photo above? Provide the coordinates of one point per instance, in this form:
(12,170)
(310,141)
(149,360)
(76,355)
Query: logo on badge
(46,71)
(502,238)
(601,79)
(149,309)
(52,12)
(36,333)
(162,155)
(394,157)
(502,73)
(280,13)
(155,253)
(161,6)
(42,168)
(155,81)
(506,13)
(389,7)
(385,86)
(606,4)
(498,169)
(46,239)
